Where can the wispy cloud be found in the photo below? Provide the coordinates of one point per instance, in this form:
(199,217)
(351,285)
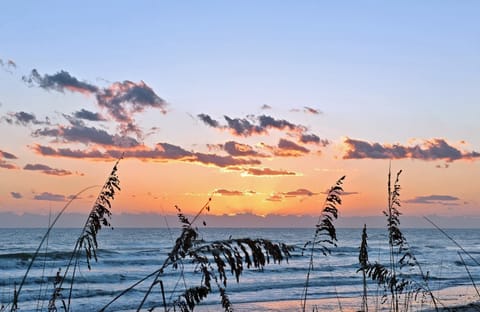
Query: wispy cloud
(47,170)
(7,164)
(16,195)
(266,172)
(435,149)
(23,118)
(434,199)
(274,197)
(301,193)
(224,192)
(50,197)
(310,110)
(8,65)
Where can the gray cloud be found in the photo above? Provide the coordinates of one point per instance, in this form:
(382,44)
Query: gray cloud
(49,196)
(434,199)
(225,192)
(312,110)
(121,99)
(238,149)
(435,149)
(6,164)
(83,134)
(313,138)
(47,170)
(162,151)
(23,118)
(7,155)
(289,148)
(60,81)
(16,195)
(208,120)
(252,125)
(243,127)
(299,192)
(88,115)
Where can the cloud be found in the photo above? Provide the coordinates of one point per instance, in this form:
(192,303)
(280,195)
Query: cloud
(121,100)
(275,198)
(435,149)
(162,151)
(208,120)
(268,122)
(224,192)
(7,155)
(88,115)
(280,196)
(6,164)
(80,133)
(222,161)
(265,106)
(434,199)
(23,118)
(289,148)
(60,82)
(8,65)
(266,172)
(348,193)
(49,196)
(299,192)
(252,125)
(286,148)
(238,149)
(16,195)
(47,170)
(312,110)
(243,127)
(313,138)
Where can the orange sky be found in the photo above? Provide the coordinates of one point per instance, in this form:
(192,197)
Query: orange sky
(263,117)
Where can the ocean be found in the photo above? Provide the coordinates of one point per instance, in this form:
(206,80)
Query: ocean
(126,255)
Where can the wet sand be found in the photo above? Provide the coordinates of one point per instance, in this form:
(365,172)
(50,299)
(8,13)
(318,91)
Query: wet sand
(461,299)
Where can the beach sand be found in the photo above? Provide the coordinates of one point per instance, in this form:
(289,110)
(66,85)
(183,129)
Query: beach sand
(461,299)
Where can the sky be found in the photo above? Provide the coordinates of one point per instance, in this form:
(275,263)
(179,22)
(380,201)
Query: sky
(259,105)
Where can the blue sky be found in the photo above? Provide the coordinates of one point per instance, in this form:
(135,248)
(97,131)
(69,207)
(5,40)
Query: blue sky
(393,73)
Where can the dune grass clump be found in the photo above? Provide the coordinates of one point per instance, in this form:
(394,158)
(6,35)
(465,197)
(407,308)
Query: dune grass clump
(400,288)
(87,241)
(325,235)
(214,262)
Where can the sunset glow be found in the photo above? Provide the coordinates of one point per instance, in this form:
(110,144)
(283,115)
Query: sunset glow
(260,106)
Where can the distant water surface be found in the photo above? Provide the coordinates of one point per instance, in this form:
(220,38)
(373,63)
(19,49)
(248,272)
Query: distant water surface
(127,255)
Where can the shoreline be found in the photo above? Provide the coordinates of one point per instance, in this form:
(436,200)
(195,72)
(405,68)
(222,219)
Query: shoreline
(457,298)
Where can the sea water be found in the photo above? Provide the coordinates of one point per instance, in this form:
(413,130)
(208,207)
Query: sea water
(125,256)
